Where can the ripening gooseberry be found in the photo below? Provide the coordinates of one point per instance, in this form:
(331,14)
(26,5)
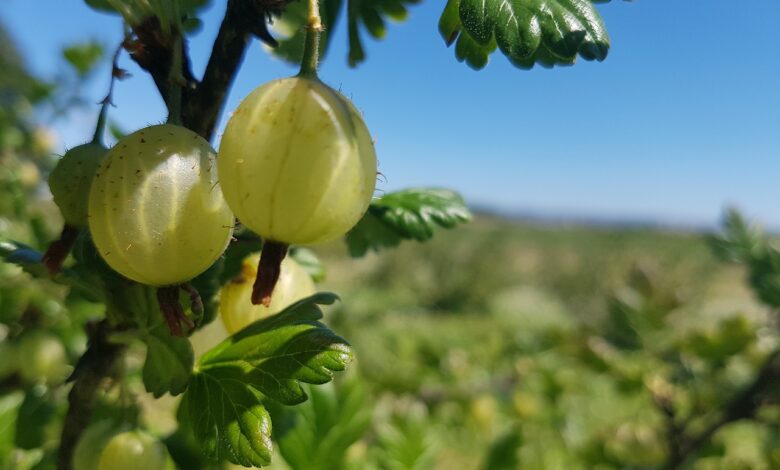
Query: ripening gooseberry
(134,450)
(297,166)
(71,178)
(156,211)
(69,183)
(235,307)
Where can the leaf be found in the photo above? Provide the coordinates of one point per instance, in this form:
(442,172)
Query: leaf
(9,411)
(268,358)
(528,32)
(35,415)
(83,57)
(473,53)
(100,5)
(309,261)
(30,261)
(405,441)
(502,454)
(317,434)
(404,215)
(168,364)
(371,233)
(466,48)
(370,14)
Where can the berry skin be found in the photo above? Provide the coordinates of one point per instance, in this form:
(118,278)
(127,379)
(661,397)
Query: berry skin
(90,446)
(70,181)
(156,211)
(133,450)
(235,308)
(297,163)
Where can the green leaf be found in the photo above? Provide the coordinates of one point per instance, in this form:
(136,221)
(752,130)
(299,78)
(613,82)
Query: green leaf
(30,261)
(35,414)
(309,261)
(9,411)
(83,57)
(473,53)
(317,434)
(406,215)
(449,22)
(100,5)
(405,441)
(168,364)
(370,14)
(528,32)
(502,454)
(267,359)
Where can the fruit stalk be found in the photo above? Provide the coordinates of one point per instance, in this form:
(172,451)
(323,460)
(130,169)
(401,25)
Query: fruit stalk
(58,250)
(268,270)
(311,49)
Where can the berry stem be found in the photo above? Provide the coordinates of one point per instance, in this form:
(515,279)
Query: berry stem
(168,299)
(268,271)
(311,48)
(116,73)
(59,249)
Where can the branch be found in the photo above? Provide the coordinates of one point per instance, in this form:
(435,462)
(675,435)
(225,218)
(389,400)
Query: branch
(202,102)
(93,367)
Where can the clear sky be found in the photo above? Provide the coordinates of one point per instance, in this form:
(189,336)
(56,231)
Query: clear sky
(682,118)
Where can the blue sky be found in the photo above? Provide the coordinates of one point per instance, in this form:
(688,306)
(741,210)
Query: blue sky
(682,119)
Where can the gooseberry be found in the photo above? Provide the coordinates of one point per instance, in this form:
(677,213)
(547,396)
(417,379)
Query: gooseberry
(156,211)
(43,358)
(69,183)
(297,166)
(235,307)
(71,178)
(90,446)
(133,450)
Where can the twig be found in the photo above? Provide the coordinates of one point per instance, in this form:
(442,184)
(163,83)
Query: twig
(93,367)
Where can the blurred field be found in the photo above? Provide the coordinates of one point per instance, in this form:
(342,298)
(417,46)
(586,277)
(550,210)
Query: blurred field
(487,332)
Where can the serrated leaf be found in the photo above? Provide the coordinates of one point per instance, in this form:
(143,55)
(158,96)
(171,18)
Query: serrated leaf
(267,359)
(83,57)
(309,261)
(473,53)
(528,32)
(30,261)
(168,364)
(372,234)
(415,212)
(449,22)
(502,454)
(35,414)
(317,434)
(406,215)
(370,14)
(228,418)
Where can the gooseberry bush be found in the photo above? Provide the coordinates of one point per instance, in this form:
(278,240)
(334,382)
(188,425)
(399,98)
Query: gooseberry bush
(173,239)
